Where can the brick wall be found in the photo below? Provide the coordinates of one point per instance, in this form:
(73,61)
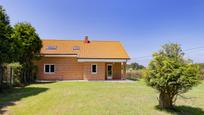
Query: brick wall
(116,70)
(65,69)
(70,69)
(100,75)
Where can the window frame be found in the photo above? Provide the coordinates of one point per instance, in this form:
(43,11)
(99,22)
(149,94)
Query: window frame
(49,69)
(111,70)
(92,69)
(51,47)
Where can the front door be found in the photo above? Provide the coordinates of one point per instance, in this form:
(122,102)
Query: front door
(109,71)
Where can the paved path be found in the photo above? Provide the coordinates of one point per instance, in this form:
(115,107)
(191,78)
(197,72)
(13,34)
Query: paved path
(120,81)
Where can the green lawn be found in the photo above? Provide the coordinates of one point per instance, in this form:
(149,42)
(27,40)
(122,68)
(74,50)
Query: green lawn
(95,98)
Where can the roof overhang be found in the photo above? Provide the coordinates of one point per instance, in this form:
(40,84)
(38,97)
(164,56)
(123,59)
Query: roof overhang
(59,55)
(102,60)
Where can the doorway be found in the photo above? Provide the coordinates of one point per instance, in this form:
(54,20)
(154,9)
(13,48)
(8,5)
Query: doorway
(109,71)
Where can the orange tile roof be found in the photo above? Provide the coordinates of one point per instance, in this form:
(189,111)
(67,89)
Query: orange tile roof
(94,49)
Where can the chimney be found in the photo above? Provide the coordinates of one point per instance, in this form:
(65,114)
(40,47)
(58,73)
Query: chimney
(86,39)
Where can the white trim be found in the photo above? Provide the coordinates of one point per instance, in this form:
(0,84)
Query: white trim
(92,69)
(49,69)
(102,60)
(111,70)
(60,55)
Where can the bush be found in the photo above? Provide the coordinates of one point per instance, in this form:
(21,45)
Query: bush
(171,74)
(201,65)
(16,68)
(135,74)
(202,74)
(11,75)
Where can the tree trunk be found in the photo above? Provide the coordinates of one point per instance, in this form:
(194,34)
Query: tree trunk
(165,102)
(1,77)
(24,76)
(31,75)
(30,71)
(10,77)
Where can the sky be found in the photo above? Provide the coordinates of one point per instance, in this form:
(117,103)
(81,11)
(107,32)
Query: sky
(141,25)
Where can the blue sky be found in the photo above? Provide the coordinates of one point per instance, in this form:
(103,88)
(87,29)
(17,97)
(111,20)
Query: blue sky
(141,25)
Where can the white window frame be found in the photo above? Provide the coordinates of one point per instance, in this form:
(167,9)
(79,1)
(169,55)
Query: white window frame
(51,47)
(49,69)
(92,69)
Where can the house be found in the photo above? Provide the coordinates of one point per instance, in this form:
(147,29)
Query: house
(82,60)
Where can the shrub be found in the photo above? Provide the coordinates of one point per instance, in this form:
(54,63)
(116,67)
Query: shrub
(16,68)
(171,74)
(135,74)
(202,74)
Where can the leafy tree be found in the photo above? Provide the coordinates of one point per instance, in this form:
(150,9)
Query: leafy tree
(135,66)
(171,74)
(201,65)
(29,45)
(5,41)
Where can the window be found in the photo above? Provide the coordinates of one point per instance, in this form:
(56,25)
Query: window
(51,48)
(49,68)
(76,48)
(93,68)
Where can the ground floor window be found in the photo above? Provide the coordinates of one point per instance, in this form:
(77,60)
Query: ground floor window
(93,68)
(49,68)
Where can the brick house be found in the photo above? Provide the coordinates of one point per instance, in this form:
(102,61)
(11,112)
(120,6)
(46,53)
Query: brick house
(82,60)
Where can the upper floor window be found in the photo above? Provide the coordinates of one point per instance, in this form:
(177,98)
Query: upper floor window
(51,47)
(76,48)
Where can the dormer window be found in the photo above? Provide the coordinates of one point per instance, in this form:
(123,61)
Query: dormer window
(76,48)
(51,48)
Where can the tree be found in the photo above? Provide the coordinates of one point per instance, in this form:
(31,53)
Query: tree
(171,74)
(135,66)
(28,45)
(5,41)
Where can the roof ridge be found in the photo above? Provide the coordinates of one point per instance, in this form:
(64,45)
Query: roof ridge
(79,40)
(59,40)
(105,40)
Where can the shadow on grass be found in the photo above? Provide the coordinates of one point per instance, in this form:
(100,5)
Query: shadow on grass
(133,79)
(183,110)
(11,96)
(45,82)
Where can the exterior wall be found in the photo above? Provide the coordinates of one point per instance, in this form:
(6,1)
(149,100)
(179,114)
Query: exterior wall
(124,76)
(100,75)
(65,69)
(116,70)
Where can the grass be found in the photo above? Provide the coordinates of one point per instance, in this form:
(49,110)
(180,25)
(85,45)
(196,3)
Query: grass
(90,98)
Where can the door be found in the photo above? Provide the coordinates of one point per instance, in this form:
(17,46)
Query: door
(109,71)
